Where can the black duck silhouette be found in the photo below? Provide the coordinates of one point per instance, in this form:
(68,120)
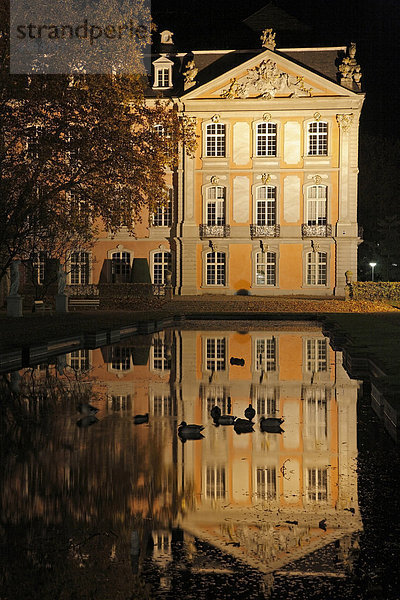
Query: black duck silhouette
(87,421)
(271,425)
(250,413)
(139,419)
(243,426)
(185,428)
(225,420)
(215,412)
(239,362)
(87,409)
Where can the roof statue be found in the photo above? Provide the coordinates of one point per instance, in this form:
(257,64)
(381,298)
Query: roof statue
(190,74)
(268,39)
(350,71)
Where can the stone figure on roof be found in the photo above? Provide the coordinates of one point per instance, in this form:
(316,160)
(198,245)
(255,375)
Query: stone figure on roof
(268,39)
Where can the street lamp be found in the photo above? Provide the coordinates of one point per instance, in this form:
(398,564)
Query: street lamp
(372,265)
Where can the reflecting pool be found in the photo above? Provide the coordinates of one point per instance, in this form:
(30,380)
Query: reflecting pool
(96,503)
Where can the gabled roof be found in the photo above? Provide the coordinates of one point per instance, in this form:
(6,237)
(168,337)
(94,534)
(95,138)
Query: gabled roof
(276,18)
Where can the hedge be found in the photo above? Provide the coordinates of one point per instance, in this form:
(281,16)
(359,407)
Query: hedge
(374,290)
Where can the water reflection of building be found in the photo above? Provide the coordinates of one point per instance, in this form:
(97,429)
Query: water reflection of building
(259,497)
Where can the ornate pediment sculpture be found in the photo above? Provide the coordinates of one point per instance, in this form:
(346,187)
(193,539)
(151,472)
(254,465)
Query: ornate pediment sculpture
(265,81)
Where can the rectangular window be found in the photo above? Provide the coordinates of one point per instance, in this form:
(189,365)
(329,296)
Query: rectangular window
(216,268)
(78,360)
(216,205)
(318,138)
(216,354)
(266,205)
(162,77)
(317,485)
(266,268)
(79,268)
(39,266)
(317,268)
(121,402)
(316,205)
(266,354)
(162,263)
(215,140)
(215,483)
(266,483)
(121,358)
(317,355)
(163,216)
(161,360)
(266,139)
(162,405)
(121,266)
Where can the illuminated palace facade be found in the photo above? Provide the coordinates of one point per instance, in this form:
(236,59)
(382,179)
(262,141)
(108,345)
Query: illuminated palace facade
(268,202)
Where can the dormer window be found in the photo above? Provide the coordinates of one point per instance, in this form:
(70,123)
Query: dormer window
(162,73)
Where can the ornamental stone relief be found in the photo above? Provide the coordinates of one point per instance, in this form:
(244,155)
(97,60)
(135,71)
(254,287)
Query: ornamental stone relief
(345,121)
(265,81)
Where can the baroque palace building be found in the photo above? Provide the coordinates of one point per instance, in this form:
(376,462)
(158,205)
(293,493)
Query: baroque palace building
(268,203)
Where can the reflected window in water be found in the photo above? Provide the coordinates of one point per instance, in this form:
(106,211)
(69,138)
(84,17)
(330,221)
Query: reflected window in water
(78,360)
(317,355)
(265,399)
(266,483)
(266,354)
(160,356)
(317,485)
(216,354)
(162,405)
(316,413)
(215,482)
(121,358)
(120,402)
(214,395)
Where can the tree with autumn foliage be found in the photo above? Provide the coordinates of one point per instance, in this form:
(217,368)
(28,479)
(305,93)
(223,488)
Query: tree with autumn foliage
(76,151)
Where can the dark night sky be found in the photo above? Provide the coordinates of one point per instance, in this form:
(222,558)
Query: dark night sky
(373,24)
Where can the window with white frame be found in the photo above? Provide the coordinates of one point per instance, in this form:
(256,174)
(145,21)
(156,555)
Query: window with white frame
(215,139)
(266,483)
(214,395)
(266,268)
(162,262)
(160,130)
(265,399)
(162,405)
(78,360)
(266,354)
(161,355)
(215,482)
(80,268)
(266,139)
(162,77)
(215,354)
(317,271)
(215,205)
(315,413)
(317,485)
(163,214)
(317,138)
(119,402)
(34,135)
(317,355)
(121,358)
(316,205)
(121,266)
(39,267)
(216,270)
(266,205)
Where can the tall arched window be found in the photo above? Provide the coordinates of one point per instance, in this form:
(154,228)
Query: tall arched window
(316,205)
(215,205)
(162,262)
(317,134)
(79,274)
(266,268)
(266,205)
(216,274)
(266,139)
(121,267)
(215,139)
(317,268)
